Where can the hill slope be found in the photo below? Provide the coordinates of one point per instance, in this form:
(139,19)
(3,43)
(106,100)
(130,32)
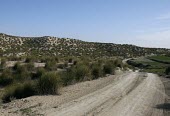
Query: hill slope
(46,45)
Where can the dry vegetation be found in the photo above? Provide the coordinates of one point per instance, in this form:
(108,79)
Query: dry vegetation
(23,79)
(53,46)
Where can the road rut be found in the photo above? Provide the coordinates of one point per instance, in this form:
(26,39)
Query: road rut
(133,95)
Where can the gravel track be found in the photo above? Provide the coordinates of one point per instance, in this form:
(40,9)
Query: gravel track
(129,96)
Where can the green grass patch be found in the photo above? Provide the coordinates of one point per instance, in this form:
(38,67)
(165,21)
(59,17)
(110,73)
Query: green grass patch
(156,71)
(162,59)
(158,65)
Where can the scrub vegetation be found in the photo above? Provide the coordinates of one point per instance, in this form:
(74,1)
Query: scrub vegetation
(22,77)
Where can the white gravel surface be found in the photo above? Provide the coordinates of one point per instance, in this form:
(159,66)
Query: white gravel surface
(127,97)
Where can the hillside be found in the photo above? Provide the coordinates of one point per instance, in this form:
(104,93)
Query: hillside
(47,45)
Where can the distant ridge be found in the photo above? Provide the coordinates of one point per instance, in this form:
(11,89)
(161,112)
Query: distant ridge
(53,46)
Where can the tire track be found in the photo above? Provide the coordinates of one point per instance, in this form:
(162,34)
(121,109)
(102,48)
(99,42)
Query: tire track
(133,95)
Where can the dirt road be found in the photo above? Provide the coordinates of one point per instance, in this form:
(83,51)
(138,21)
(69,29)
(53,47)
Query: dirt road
(133,95)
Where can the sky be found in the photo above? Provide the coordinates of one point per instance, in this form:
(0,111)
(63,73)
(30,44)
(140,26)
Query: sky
(140,22)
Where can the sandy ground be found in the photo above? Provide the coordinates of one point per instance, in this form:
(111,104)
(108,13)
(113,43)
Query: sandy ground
(12,63)
(128,94)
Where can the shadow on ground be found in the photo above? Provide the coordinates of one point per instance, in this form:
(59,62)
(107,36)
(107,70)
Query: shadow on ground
(165,106)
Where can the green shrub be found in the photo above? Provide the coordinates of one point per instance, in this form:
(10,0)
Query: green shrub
(49,83)
(21,72)
(28,60)
(18,92)
(81,71)
(167,71)
(96,72)
(30,66)
(16,66)
(56,59)
(65,64)
(6,78)
(38,74)
(70,60)
(47,59)
(8,95)
(74,62)
(3,63)
(51,65)
(67,77)
(108,68)
(61,66)
(25,75)
(100,62)
(118,63)
(32,59)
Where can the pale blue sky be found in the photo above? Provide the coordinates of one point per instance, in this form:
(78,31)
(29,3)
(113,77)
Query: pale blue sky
(139,22)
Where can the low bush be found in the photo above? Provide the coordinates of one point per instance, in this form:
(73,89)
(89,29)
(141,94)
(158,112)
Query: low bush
(65,64)
(6,78)
(48,58)
(21,73)
(96,72)
(56,59)
(3,63)
(30,66)
(108,68)
(29,59)
(16,67)
(18,92)
(118,63)
(51,65)
(67,77)
(167,71)
(74,62)
(38,74)
(70,60)
(61,66)
(49,83)
(81,71)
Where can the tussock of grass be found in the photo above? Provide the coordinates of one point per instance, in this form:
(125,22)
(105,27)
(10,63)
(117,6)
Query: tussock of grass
(67,77)
(80,72)
(38,74)
(96,72)
(6,78)
(18,91)
(49,83)
(108,68)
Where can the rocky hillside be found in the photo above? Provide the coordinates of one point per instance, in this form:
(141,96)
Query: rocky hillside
(15,45)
